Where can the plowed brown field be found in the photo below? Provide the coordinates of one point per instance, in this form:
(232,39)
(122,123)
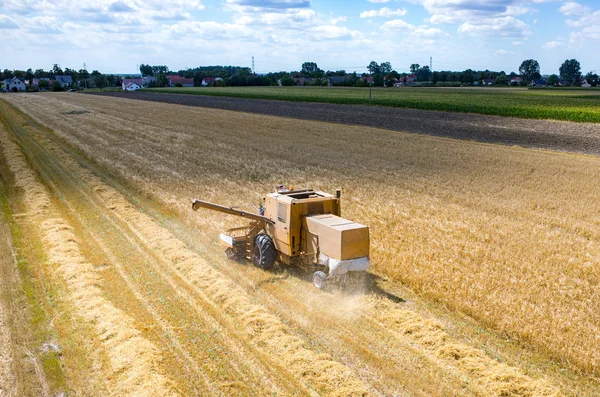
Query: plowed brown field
(159,311)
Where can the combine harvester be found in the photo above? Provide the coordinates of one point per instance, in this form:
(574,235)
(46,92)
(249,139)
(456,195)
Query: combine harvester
(298,227)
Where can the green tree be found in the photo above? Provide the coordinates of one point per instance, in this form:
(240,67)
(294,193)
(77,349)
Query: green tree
(373,68)
(99,80)
(592,78)
(423,74)
(43,84)
(29,76)
(570,71)
(553,80)
(467,77)
(414,68)
(160,69)
(501,80)
(287,81)
(393,75)
(435,77)
(162,81)
(530,69)
(146,70)
(385,68)
(57,70)
(309,69)
(8,74)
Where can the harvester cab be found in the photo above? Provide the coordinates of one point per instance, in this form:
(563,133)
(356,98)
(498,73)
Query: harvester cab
(300,227)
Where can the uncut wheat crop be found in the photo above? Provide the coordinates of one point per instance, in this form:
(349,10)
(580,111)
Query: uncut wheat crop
(506,235)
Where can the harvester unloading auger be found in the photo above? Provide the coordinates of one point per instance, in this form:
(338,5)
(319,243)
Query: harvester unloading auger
(300,227)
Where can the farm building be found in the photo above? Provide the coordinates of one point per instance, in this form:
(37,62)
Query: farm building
(585,84)
(64,81)
(516,80)
(185,82)
(302,80)
(336,80)
(132,86)
(126,82)
(15,84)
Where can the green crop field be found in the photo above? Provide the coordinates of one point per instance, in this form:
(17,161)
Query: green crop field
(556,104)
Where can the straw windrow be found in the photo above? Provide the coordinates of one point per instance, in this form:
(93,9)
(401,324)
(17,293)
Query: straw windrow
(133,359)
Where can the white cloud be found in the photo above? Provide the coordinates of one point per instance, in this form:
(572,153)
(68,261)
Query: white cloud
(290,19)
(573,8)
(335,21)
(273,4)
(498,27)
(207,30)
(552,44)
(504,52)
(586,20)
(589,35)
(378,1)
(7,22)
(331,32)
(423,35)
(43,24)
(383,12)
(517,43)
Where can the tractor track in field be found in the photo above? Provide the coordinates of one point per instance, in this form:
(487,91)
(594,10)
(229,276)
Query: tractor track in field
(541,134)
(222,331)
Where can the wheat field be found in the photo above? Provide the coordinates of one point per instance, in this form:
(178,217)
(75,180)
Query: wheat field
(502,235)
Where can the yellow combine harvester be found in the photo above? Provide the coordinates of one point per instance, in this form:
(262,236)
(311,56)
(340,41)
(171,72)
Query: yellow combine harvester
(301,227)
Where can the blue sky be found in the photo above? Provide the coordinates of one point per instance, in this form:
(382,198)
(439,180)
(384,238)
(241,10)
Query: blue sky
(114,36)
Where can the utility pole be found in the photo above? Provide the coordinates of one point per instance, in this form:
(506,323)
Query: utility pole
(430,68)
(253,72)
(85,68)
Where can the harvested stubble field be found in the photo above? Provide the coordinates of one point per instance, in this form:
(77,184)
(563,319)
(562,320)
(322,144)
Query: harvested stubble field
(498,245)
(554,104)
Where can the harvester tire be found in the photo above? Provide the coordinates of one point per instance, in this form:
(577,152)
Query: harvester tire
(319,279)
(263,254)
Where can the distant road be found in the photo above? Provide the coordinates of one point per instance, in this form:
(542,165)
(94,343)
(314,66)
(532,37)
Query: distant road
(542,134)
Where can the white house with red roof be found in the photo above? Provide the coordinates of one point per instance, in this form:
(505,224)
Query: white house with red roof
(516,80)
(132,86)
(127,83)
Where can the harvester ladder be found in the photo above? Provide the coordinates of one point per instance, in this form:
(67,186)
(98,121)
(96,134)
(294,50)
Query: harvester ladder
(253,230)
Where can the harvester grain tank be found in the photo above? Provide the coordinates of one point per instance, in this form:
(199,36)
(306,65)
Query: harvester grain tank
(300,227)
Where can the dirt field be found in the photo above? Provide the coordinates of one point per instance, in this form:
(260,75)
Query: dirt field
(542,134)
(160,311)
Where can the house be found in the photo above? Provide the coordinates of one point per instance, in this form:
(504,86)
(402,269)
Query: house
(538,82)
(64,81)
(411,78)
(303,80)
(336,80)
(36,82)
(185,82)
(515,80)
(126,82)
(585,84)
(367,79)
(210,81)
(132,86)
(488,81)
(15,84)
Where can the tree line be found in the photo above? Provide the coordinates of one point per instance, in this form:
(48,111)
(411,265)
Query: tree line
(379,74)
(81,78)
